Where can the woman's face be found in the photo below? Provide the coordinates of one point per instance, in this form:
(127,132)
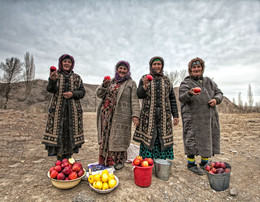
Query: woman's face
(66,64)
(196,71)
(157,66)
(122,71)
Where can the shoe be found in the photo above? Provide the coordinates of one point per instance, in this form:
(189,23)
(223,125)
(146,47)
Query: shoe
(119,166)
(196,170)
(202,165)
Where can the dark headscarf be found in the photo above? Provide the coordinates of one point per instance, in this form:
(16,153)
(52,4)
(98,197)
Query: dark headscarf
(118,78)
(196,61)
(152,71)
(66,56)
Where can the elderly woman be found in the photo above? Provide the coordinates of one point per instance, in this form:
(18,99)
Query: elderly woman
(118,108)
(201,132)
(64,132)
(155,132)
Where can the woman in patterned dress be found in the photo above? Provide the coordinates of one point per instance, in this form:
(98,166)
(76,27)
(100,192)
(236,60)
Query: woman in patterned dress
(118,109)
(159,106)
(64,132)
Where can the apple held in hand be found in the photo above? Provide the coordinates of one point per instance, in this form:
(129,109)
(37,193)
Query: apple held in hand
(149,77)
(107,78)
(53,68)
(197,90)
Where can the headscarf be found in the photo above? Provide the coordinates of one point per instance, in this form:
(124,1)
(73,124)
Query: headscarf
(196,61)
(66,56)
(118,78)
(152,71)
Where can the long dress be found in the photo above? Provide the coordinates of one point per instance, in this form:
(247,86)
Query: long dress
(64,131)
(155,129)
(107,157)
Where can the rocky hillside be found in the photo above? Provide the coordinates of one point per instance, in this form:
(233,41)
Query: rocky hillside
(40,98)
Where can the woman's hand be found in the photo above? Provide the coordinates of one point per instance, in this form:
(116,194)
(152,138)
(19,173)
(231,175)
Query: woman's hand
(135,121)
(175,121)
(53,75)
(67,95)
(105,83)
(192,91)
(212,102)
(145,83)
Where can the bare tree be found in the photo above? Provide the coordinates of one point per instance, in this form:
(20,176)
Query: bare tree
(246,107)
(240,102)
(173,76)
(12,74)
(183,74)
(234,101)
(250,98)
(29,74)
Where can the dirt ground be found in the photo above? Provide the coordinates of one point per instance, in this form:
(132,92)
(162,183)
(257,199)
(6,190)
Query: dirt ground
(24,164)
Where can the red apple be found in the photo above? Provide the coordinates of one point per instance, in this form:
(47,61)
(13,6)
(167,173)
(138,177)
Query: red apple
(197,90)
(67,178)
(80,173)
(150,161)
(139,157)
(149,77)
(64,160)
(76,167)
(144,164)
(220,171)
(137,162)
(207,168)
(223,165)
(58,168)
(214,170)
(217,164)
(73,175)
(60,176)
(65,164)
(227,170)
(53,68)
(66,170)
(58,163)
(52,168)
(212,165)
(54,174)
(107,78)
(211,172)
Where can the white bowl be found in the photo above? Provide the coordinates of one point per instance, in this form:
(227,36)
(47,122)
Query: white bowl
(107,190)
(65,184)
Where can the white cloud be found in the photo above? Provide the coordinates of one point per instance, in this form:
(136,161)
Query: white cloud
(225,34)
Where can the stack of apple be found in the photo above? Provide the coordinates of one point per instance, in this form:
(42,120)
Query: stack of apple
(139,161)
(67,169)
(217,168)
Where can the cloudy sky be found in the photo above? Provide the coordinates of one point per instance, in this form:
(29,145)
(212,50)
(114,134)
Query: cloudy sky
(99,33)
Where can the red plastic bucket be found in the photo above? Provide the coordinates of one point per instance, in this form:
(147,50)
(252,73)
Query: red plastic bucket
(143,175)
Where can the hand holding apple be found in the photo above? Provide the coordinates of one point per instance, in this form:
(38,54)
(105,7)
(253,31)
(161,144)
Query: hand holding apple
(149,77)
(107,78)
(53,69)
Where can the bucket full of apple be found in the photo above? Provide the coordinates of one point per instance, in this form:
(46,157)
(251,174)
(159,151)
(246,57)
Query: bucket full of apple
(218,174)
(143,171)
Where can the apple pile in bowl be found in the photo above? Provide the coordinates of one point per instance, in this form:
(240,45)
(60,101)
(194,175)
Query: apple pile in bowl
(66,173)
(139,161)
(217,167)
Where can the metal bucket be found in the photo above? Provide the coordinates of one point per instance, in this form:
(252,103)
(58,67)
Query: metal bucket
(162,168)
(219,182)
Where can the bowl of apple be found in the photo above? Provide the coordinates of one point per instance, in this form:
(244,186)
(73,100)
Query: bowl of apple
(66,174)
